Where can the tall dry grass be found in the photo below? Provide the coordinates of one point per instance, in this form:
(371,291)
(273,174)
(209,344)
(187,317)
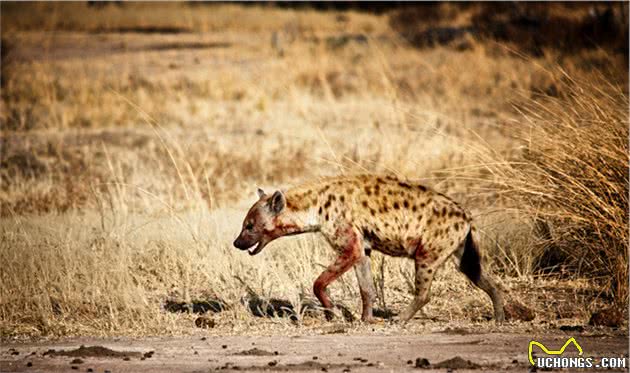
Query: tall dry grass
(572,181)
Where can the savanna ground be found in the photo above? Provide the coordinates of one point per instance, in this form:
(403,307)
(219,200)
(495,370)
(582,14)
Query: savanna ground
(134,136)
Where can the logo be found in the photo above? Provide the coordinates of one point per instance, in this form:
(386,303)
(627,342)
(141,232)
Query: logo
(555,361)
(552,352)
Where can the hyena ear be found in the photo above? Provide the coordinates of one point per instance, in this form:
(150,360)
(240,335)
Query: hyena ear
(261,193)
(277,202)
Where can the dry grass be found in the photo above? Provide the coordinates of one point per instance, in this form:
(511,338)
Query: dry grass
(128,160)
(573,180)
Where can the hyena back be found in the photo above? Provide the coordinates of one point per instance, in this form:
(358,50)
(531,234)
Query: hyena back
(357,214)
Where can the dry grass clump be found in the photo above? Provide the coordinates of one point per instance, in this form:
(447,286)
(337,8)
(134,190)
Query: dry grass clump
(573,181)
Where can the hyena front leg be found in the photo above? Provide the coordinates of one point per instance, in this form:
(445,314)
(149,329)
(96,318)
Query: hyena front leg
(366,286)
(348,243)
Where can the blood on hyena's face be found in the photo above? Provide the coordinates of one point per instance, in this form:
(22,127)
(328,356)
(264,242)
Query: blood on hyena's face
(259,224)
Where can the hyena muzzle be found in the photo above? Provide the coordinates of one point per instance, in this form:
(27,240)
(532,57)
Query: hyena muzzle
(358,214)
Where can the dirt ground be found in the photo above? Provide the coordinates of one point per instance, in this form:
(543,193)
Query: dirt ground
(445,350)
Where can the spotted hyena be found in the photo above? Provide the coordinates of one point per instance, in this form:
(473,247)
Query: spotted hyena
(358,214)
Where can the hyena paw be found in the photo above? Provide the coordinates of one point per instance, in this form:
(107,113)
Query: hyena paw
(374,321)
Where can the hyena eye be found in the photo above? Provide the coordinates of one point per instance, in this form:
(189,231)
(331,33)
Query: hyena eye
(249,226)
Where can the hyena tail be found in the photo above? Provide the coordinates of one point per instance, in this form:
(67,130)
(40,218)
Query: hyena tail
(470,262)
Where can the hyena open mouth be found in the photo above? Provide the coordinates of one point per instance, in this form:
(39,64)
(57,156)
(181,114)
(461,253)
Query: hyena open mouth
(257,248)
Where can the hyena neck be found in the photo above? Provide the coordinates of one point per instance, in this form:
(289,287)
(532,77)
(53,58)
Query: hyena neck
(302,210)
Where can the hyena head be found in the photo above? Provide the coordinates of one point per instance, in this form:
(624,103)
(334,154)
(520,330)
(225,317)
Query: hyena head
(263,222)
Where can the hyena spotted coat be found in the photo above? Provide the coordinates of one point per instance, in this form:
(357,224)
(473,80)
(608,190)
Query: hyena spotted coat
(357,214)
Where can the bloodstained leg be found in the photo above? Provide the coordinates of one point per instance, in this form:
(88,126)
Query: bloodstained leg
(350,247)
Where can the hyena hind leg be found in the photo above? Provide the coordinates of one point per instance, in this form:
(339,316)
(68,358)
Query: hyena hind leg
(468,261)
(422,294)
(487,284)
